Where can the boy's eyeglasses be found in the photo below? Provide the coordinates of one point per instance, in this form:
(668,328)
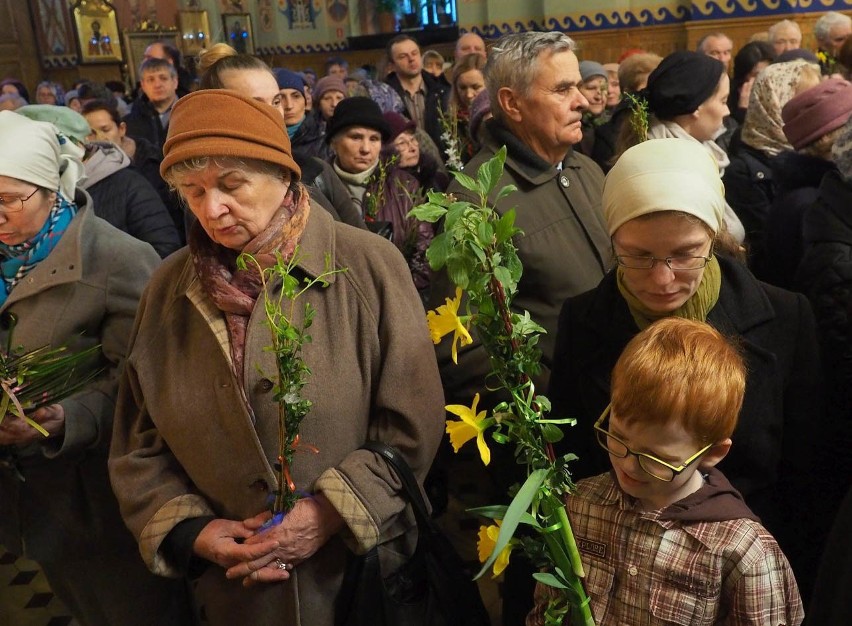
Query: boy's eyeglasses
(659,469)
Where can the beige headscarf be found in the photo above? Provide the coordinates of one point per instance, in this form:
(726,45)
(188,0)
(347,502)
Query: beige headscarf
(772,89)
(664,175)
(41,155)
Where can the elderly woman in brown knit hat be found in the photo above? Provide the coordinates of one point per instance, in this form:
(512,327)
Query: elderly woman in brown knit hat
(196,438)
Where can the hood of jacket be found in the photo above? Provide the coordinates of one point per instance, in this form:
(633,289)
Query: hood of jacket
(106,159)
(716,501)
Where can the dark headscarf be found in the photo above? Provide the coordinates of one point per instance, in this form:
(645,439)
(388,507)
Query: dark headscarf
(681,83)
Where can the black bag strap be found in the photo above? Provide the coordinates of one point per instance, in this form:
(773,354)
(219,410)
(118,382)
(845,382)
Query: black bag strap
(406,476)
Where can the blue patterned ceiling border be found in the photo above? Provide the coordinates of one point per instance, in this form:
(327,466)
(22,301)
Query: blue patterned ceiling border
(306,49)
(726,9)
(580,23)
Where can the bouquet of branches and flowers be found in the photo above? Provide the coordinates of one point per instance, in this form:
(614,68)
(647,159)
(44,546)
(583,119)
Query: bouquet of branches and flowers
(292,373)
(373,200)
(477,251)
(34,379)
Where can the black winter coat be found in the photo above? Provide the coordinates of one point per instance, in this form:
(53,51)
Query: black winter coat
(750,191)
(825,276)
(127,201)
(769,461)
(310,139)
(797,178)
(146,160)
(144,121)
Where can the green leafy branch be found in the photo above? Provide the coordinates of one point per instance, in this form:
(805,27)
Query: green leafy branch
(477,251)
(292,373)
(34,379)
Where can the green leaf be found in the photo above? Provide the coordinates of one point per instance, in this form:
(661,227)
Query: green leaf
(499,512)
(484,234)
(437,251)
(550,580)
(438,197)
(505,277)
(505,191)
(467,182)
(454,212)
(428,212)
(458,269)
(490,172)
(520,505)
(504,229)
(551,433)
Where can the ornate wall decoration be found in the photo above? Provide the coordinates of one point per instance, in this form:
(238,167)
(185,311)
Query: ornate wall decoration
(54,33)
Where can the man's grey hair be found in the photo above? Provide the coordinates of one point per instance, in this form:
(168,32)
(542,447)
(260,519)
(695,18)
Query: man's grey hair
(513,62)
(779,25)
(823,26)
(700,46)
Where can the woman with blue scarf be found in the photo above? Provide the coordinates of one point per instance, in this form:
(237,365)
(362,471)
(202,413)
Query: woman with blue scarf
(69,279)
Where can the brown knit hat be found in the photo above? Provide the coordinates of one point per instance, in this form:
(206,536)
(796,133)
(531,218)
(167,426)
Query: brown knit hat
(221,122)
(817,111)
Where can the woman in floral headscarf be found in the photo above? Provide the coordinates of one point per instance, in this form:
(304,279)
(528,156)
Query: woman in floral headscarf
(748,178)
(69,278)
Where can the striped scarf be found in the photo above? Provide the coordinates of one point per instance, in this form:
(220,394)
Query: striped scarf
(18,260)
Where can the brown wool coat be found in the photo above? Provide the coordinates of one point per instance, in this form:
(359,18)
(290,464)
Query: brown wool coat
(185,445)
(85,292)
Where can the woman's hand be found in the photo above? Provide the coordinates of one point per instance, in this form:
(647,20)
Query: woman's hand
(222,542)
(745,92)
(15,431)
(302,532)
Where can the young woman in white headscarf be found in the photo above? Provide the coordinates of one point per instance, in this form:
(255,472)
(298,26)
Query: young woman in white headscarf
(70,279)
(664,206)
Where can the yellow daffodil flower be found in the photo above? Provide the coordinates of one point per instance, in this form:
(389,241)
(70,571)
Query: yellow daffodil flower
(472,425)
(487,542)
(445,320)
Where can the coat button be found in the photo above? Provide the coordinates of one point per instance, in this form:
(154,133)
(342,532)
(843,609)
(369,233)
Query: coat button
(632,570)
(563,180)
(265,385)
(760,175)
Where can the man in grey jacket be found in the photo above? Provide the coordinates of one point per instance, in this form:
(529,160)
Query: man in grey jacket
(532,80)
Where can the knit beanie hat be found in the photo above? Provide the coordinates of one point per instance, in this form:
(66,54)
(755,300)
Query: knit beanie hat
(590,69)
(816,111)
(43,157)
(289,80)
(664,175)
(398,124)
(479,108)
(841,151)
(357,111)
(220,122)
(682,82)
(68,121)
(326,84)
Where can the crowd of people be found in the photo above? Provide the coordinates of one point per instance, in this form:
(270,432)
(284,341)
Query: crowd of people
(686,247)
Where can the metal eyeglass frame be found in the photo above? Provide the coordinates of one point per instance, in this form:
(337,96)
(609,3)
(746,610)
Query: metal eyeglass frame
(676,469)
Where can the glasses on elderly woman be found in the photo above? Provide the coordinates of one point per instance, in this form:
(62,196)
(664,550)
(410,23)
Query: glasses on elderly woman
(14,204)
(675,263)
(651,465)
(403,143)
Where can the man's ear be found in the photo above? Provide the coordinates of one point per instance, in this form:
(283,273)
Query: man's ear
(715,454)
(508,101)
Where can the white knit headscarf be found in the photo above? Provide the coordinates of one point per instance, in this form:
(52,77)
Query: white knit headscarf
(664,175)
(36,152)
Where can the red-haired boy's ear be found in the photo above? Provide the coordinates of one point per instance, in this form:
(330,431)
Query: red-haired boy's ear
(715,454)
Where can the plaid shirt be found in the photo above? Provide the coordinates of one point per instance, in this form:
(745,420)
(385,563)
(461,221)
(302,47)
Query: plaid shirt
(641,570)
